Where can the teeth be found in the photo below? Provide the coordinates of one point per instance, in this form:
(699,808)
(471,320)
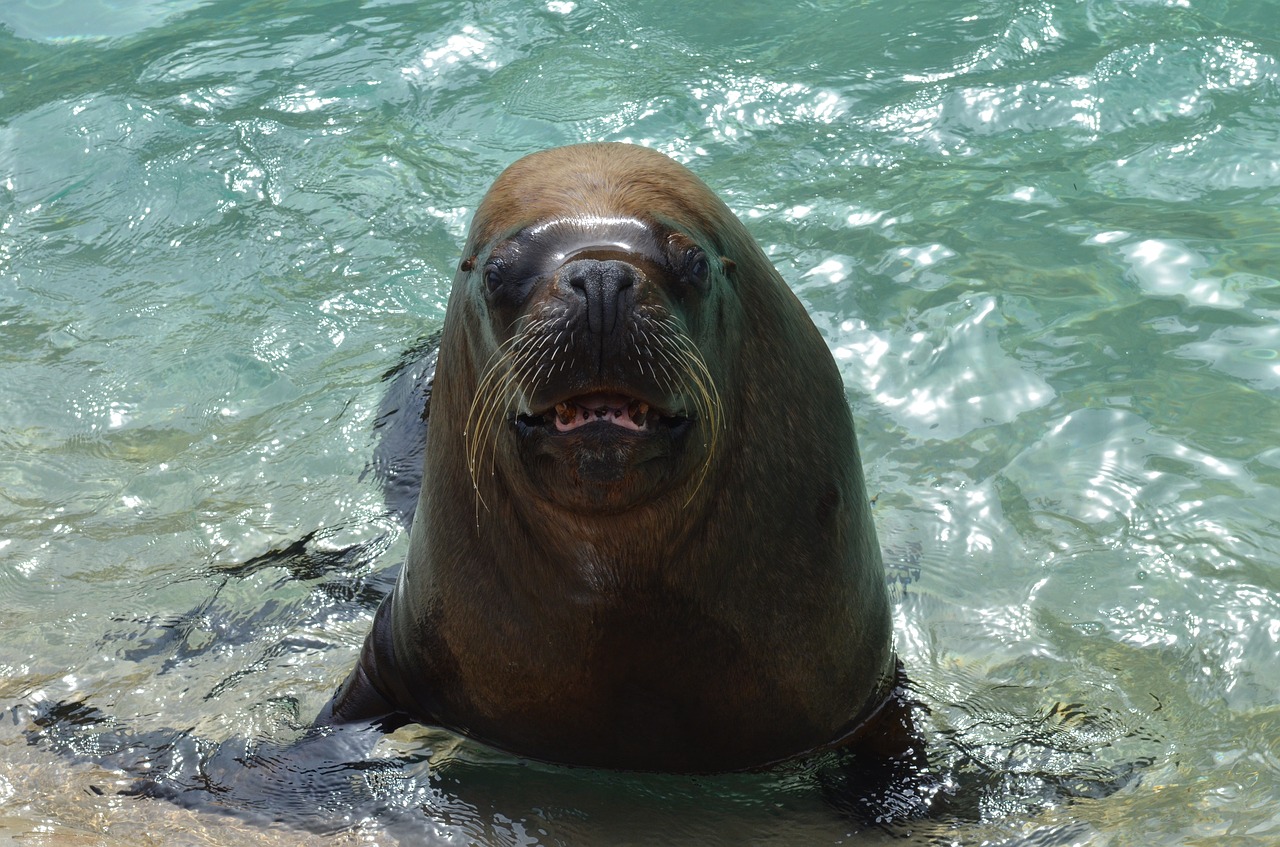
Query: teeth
(633,415)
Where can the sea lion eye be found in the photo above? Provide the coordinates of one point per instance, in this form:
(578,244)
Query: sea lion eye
(697,268)
(493,276)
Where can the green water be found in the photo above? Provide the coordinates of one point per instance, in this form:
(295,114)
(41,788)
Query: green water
(1042,239)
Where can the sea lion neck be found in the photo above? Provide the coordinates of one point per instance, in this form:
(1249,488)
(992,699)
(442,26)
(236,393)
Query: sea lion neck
(604,557)
(521,551)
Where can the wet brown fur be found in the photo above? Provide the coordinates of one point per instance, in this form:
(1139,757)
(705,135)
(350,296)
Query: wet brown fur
(722,620)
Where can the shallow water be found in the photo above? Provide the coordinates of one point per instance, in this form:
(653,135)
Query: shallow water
(1040,238)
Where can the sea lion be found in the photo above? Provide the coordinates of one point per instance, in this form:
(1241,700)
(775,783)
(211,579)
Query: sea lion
(643,539)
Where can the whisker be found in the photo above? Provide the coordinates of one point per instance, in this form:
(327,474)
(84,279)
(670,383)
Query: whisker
(538,349)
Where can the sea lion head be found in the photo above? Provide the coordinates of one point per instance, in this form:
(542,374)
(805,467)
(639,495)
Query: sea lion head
(593,291)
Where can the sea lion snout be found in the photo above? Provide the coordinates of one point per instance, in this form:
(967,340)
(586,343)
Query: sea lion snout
(608,288)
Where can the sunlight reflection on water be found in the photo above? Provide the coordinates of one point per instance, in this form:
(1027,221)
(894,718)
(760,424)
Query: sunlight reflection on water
(947,377)
(1038,237)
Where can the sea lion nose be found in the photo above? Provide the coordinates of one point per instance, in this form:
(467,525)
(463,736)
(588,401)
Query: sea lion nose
(606,284)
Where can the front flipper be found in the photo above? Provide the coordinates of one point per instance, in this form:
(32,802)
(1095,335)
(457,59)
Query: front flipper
(366,695)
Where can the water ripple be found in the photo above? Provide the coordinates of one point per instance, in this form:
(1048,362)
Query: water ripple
(1039,237)
(946,374)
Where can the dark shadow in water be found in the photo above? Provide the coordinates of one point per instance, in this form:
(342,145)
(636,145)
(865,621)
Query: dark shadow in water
(326,781)
(310,783)
(401,428)
(343,577)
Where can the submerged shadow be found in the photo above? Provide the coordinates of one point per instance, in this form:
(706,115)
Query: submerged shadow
(434,787)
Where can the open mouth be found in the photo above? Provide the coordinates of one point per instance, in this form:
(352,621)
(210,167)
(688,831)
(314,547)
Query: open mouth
(620,410)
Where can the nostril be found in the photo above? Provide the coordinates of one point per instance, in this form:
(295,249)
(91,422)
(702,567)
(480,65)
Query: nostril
(578,276)
(605,275)
(622,275)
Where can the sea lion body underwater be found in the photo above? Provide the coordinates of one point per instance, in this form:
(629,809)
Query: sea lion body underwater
(643,539)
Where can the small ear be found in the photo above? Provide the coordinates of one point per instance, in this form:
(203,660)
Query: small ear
(727,265)
(467,265)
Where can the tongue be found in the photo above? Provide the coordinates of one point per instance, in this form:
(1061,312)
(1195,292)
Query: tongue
(616,409)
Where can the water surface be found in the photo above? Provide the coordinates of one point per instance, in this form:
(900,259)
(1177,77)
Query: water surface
(1040,238)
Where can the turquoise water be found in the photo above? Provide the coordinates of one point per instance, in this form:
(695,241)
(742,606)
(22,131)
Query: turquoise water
(1040,237)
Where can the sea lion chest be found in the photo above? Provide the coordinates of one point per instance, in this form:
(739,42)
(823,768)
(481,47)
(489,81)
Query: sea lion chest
(684,656)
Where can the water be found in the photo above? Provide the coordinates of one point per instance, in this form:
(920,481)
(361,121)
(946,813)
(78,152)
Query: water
(1040,238)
